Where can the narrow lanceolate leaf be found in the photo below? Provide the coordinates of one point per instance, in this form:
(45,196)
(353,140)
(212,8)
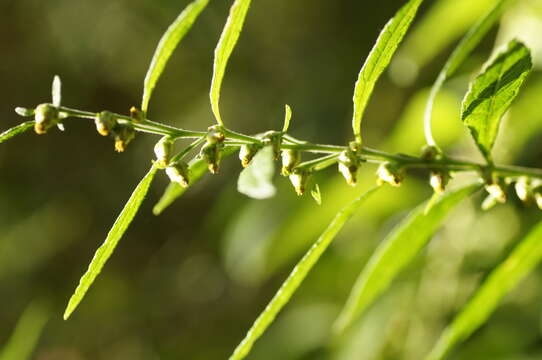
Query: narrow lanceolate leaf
(396,252)
(223,50)
(56,91)
(492,92)
(459,55)
(519,263)
(296,277)
(19,129)
(379,59)
(256,180)
(168,43)
(115,234)
(197,168)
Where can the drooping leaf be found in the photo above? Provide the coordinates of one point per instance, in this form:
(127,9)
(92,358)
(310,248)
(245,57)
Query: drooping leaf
(287,117)
(56,91)
(297,276)
(459,55)
(519,263)
(492,92)
(379,59)
(197,168)
(395,252)
(23,340)
(168,43)
(113,237)
(223,50)
(256,180)
(16,130)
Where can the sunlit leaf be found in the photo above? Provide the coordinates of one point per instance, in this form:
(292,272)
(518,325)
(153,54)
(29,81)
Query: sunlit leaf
(297,276)
(458,57)
(492,92)
(379,59)
(113,237)
(168,43)
(25,336)
(197,168)
(256,180)
(223,50)
(16,130)
(519,263)
(56,91)
(287,117)
(395,252)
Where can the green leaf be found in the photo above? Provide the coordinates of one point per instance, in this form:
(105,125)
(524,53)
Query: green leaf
(287,117)
(519,263)
(223,50)
(492,92)
(297,276)
(403,243)
(256,180)
(379,59)
(168,43)
(113,237)
(197,168)
(27,332)
(16,130)
(459,55)
(56,91)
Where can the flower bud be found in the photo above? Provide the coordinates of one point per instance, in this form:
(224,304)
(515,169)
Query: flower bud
(389,173)
(274,139)
(348,166)
(105,122)
(215,135)
(299,179)
(430,152)
(212,154)
(45,116)
(162,150)
(179,172)
(523,189)
(136,114)
(247,152)
(24,111)
(537,192)
(495,188)
(438,181)
(290,159)
(123,134)
(489,202)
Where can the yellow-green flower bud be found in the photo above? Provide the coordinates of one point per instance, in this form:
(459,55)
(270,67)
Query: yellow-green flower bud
(438,181)
(348,164)
(489,202)
(215,135)
(389,173)
(537,192)
(162,150)
(212,153)
(290,159)
(430,152)
(45,116)
(247,153)
(523,189)
(299,179)
(136,114)
(123,133)
(495,188)
(105,122)
(179,172)
(274,139)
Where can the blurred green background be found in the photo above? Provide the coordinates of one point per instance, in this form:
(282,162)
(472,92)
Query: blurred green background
(189,283)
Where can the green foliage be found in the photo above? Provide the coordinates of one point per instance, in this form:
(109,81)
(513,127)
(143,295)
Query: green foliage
(379,59)
(519,263)
(223,51)
(458,57)
(105,251)
(16,130)
(492,92)
(256,180)
(296,277)
(168,43)
(396,252)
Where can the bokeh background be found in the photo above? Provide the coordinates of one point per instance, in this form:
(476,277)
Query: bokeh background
(188,283)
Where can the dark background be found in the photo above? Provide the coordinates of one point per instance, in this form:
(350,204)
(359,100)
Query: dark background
(188,284)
